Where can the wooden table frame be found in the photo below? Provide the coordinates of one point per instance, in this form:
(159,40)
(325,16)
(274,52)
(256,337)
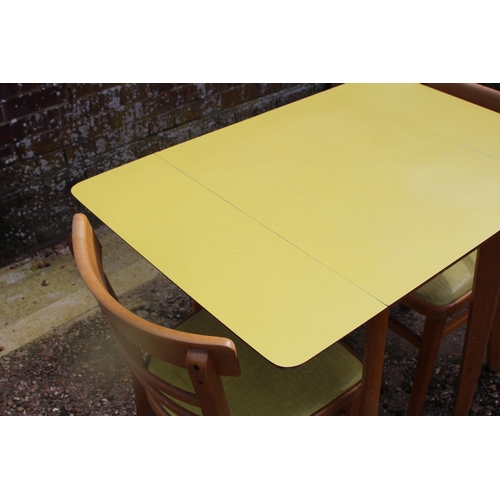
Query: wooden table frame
(373,363)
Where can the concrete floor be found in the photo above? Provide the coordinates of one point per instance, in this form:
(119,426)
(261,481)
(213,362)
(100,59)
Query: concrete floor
(42,294)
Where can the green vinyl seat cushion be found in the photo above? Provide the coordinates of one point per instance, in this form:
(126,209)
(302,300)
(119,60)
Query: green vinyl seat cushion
(263,388)
(451,284)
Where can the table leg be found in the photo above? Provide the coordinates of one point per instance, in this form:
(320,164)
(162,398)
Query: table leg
(373,362)
(485,295)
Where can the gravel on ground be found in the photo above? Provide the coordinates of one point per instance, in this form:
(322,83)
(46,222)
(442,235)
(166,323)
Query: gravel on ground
(78,370)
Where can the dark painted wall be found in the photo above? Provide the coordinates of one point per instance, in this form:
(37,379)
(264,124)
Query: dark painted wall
(55,135)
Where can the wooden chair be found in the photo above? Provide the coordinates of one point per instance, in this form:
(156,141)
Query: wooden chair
(472,92)
(450,292)
(205,369)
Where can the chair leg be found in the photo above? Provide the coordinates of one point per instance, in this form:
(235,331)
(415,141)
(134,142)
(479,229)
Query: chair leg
(482,317)
(493,355)
(353,409)
(141,400)
(431,339)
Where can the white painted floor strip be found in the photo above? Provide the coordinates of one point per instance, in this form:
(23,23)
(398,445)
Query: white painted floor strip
(29,309)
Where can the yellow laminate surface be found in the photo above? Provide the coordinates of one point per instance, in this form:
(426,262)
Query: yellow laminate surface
(283,303)
(374,191)
(298,225)
(456,119)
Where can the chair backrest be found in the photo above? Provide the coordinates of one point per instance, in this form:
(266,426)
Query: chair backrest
(206,358)
(472,92)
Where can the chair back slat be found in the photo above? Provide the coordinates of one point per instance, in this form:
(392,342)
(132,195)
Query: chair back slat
(156,384)
(160,401)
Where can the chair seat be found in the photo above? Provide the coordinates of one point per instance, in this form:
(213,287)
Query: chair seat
(264,389)
(451,284)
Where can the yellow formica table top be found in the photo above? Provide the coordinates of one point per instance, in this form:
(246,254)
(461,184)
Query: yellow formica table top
(296,226)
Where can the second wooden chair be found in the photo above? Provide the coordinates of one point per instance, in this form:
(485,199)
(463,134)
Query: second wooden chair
(444,300)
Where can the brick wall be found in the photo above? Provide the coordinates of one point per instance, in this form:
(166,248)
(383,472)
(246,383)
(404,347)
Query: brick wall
(55,135)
